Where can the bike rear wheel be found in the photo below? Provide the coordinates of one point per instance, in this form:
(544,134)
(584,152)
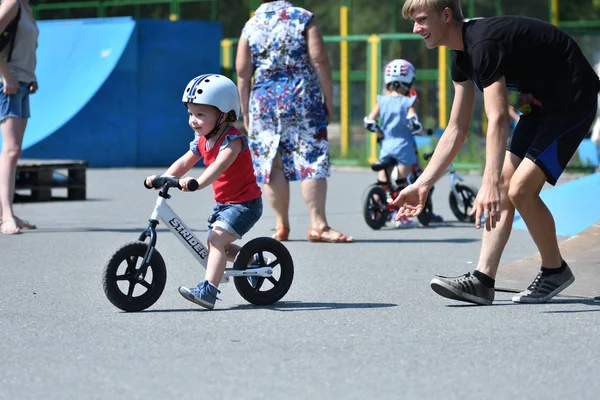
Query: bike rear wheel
(462,206)
(271,253)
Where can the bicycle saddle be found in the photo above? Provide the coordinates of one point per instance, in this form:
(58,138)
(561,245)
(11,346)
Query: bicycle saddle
(384,164)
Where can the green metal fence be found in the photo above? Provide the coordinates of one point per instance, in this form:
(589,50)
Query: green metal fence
(356,58)
(103,8)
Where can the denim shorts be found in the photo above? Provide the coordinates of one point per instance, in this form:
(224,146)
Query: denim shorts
(236,219)
(15,105)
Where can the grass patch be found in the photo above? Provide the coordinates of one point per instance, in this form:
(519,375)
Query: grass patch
(356,154)
(470,157)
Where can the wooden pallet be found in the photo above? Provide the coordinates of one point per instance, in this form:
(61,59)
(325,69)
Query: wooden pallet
(38,177)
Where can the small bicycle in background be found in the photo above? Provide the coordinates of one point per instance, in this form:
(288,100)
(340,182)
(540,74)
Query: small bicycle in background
(462,195)
(377,201)
(377,207)
(135,275)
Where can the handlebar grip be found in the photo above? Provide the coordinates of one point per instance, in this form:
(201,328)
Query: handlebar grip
(192,185)
(146,186)
(172,182)
(157,183)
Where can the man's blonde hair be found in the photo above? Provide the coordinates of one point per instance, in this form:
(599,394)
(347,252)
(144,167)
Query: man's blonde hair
(411,6)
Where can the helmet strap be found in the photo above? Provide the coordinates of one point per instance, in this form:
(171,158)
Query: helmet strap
(217,126)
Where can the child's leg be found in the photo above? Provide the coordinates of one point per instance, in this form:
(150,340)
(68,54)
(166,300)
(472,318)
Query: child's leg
(235,220)
(382,178)
(218,241)
(418,163)
(403,171)
(232,251)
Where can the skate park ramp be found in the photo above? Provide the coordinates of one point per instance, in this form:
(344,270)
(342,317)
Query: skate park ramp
(574,206)
(88,53)
(109,92)
(581,252)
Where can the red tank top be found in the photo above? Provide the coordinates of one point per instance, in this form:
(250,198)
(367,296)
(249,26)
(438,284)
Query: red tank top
(238,183)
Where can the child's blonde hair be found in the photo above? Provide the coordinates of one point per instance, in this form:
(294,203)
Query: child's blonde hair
(411,6)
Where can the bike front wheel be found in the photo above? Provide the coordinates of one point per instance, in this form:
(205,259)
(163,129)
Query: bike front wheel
(426,215)
(126,285)
(375,207)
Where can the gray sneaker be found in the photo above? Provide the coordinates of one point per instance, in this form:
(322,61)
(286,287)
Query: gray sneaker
(463,288)
(543,288)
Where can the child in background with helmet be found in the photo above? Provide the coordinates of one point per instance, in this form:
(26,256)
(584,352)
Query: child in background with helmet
(399,121)
(213,103)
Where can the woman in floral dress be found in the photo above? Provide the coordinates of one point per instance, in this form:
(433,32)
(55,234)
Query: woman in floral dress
(284,112)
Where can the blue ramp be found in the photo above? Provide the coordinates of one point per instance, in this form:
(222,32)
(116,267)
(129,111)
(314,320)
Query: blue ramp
(110,89)
(588,153)
(75,58)
(574,205)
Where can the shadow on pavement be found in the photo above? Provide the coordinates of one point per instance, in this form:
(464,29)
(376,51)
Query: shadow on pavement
(583,301)
(458,240)
(287,306)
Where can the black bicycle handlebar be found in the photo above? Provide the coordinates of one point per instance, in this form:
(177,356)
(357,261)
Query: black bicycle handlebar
(192,185)
(171,181)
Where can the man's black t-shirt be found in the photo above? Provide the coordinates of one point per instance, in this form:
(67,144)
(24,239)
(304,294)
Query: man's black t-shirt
(535,58)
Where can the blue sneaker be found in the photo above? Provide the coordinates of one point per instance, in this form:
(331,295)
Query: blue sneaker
(254,280)
(204,294)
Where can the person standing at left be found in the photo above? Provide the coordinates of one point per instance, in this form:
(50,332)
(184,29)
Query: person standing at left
(17,69)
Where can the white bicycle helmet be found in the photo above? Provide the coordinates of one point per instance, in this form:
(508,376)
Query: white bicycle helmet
(214,90)
(399,71)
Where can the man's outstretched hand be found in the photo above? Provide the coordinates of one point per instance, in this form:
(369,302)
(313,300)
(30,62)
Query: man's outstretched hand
(411,200)
(487,204)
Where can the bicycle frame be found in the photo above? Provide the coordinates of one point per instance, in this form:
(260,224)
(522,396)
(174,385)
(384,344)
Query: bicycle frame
(190,241)
(453,178)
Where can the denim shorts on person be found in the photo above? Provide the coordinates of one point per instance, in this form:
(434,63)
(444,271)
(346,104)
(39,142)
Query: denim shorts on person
(237,219)
(15,105)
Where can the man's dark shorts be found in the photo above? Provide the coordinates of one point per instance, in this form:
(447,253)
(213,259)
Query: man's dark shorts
(550,139)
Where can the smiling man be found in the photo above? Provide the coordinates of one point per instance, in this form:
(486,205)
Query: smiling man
(541,71)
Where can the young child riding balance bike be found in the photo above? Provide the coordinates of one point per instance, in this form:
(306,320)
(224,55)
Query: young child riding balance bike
(213,104)
(399,121)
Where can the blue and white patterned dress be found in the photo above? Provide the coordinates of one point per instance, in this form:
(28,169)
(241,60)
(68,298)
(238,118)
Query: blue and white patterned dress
(287,113)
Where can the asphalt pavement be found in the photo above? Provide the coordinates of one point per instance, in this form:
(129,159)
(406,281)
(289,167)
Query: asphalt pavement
(360,320)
